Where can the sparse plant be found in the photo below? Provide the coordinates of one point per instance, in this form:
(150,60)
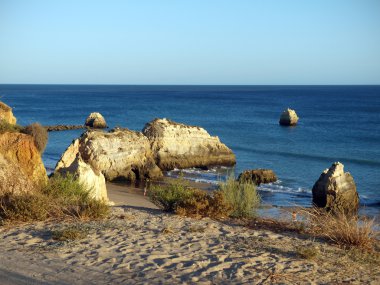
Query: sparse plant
(308,252)
(7,127)
(242,197)
(69,233)
(39,134)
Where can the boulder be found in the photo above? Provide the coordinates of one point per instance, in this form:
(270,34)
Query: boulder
(92,178)
(177,145)
(335,190)
(96,120)
(118,154)
(258,176)
(288,118)
(6,114)
(20,150)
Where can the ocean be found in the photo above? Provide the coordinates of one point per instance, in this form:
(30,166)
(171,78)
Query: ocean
(337,123)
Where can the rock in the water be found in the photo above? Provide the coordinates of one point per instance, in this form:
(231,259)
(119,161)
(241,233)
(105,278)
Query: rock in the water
(92,178)
(20,150)
(180,146)
(119,154)
(335,190)
(56,128)
(288,118)
(6,114)
(96,120)
(21,167)
(258,176)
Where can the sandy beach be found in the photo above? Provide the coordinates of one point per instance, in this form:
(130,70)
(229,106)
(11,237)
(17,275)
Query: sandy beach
(140,244)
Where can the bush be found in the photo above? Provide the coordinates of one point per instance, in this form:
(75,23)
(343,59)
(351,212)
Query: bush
(69,233)
(177,197)
(7,127)
(39,134)
(62,197)
(341,229)
(242,197)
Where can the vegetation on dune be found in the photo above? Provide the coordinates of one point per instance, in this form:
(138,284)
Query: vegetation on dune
(62,197)
(39,134)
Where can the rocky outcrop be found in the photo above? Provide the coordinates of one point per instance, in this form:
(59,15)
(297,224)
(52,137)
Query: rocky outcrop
(288,118)
(20,150)
(96,120)
(335,190)
(56,128)
(181,146)
(6,114)
(258,176)
(119,154)
(92,178)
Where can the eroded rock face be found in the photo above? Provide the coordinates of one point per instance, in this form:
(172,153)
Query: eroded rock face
(288,118)
(335,190)
(6,114)
(258,176)
(119,154)
(96,120)
(180,146)
(19,149)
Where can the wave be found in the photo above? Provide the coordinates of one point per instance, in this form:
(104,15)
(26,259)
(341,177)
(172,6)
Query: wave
(310,156)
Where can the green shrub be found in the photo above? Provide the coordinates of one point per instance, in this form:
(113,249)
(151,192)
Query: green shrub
(62,197)
(177,197)
(39,134)
(242,197)
(7,127)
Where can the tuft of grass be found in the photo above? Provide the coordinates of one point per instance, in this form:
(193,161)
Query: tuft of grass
(39,134)
(70,233)
(62,197)
(242,197)
(7,127)
(308,252)
(343,230)
(177,197)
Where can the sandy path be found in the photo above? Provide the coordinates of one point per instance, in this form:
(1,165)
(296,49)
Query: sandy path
(142,245)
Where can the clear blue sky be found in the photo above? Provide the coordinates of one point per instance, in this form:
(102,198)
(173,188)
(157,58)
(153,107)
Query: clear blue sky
(190,42)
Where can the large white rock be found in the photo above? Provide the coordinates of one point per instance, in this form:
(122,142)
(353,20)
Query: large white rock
(91,178)
(119,154)
(177,145)
(96,120)
(335,190)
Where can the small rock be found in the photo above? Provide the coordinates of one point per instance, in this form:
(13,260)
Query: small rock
(96,120)
(258,176)
(288,118)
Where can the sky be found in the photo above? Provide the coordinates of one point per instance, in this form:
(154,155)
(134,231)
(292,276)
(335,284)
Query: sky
(254,42)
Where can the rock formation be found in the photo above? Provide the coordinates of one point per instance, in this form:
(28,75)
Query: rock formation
(6,114)
(56,128)
(96,120)
(180,146)
(20,150)
(21,167)
(258,176)
(119,154)
(288,118)
(335,190)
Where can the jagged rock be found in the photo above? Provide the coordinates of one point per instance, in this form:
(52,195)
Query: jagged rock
(258,176)
(119,154)
(20,150)
(6,114)
(180,146)
(335,190)
(56,128)
(288,118)
(92,178)
(96,120)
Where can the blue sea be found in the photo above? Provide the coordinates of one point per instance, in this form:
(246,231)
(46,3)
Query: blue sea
(337,123)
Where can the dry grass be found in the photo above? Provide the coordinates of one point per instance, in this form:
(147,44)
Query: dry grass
(308,252)
(7,127)
(39,134)
(62,197)
(69,233)
(343,230)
